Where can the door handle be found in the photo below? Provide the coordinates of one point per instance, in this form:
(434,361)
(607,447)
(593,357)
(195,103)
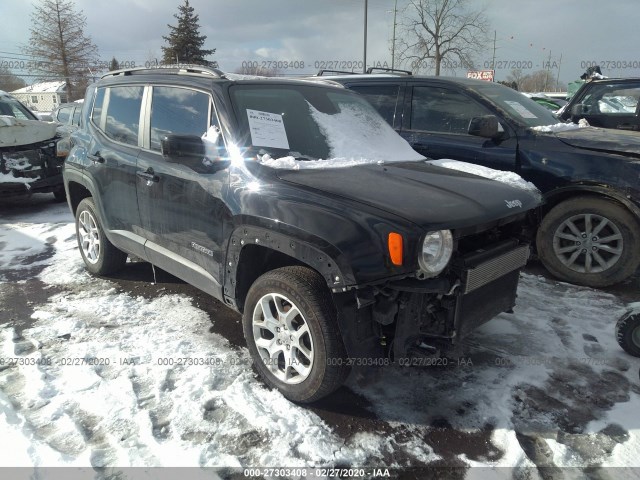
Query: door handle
(96,158)
(148,175)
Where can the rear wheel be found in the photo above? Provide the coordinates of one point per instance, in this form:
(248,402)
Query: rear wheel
(291,330)
(628,333)
(589,241)
(99,254)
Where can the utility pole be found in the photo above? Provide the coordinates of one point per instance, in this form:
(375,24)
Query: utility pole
(393,44)
(493,60)
(366,8)
(558,77)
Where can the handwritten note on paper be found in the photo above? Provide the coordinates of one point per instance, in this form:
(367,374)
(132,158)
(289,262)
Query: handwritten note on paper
(267,129)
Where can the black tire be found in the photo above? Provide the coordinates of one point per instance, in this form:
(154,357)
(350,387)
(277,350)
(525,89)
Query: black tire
(305,290)
(628,333)
(60,195)
(610,262)
(107,258)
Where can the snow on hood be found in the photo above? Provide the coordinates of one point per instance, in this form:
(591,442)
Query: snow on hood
(355,137)
(562,127)
(14,131)
(510,178)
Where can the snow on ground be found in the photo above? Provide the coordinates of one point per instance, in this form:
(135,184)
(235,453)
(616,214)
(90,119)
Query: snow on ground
(104,378)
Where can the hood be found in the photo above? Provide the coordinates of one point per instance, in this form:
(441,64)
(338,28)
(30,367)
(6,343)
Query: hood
(603,140)
(429,196)
(15,132)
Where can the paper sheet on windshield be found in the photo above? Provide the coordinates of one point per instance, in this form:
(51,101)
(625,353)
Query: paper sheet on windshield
(520,109)
(267,129)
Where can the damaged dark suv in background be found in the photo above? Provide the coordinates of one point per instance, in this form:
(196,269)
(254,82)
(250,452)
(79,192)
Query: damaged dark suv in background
(295,204)
(31,152)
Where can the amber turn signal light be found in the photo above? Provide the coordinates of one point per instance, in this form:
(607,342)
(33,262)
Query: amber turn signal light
(395,248)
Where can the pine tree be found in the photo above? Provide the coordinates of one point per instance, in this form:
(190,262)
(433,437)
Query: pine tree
(58,45)
(185,41)
(114,65)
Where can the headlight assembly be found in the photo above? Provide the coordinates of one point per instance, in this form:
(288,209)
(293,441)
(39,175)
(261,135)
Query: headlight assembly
(437,248)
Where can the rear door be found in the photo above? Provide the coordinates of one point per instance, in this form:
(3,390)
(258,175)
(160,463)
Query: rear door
(112,156)
(436,121)
(181,206)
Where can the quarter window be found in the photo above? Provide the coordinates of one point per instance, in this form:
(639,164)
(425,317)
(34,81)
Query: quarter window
(123,114)
(179,111)
(441,110)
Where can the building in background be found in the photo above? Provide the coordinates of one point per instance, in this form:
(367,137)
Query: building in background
(42,97)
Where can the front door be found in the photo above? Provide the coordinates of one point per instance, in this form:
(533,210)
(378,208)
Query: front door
(181,207)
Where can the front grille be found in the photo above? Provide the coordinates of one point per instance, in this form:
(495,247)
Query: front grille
(495,268)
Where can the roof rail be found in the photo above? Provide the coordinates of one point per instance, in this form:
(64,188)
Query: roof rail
(389,70)
(334,72)
(178,68)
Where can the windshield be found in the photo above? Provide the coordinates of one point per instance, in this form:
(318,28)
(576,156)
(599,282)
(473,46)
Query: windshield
(12,107)
(314,123)
(520,108)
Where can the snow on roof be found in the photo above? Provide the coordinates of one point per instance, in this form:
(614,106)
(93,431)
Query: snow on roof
(44,87)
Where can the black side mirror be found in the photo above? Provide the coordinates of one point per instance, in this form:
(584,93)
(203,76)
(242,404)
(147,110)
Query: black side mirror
(182,148)
(485,126)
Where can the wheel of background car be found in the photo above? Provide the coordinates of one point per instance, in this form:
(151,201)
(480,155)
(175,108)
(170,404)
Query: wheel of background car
(628,332)
(60,195)
(589,241)
(99,254)
(290,325)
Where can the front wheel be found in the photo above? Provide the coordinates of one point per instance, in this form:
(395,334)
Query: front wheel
(589,241)
(99,254)
(628,332)
(291,329)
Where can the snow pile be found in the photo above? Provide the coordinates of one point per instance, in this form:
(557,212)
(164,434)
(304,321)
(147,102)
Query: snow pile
(290,163)
(510,178)
(9,178)
(562,127)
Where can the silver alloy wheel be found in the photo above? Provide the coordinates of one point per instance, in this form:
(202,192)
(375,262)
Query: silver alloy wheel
(89,236)
(283,339)
(588,243)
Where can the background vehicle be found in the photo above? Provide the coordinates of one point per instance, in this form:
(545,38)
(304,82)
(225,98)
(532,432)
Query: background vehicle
(553,104)
(68,114)
(590,226)
(606,103)
(31,152)
(628,330)
(392,259)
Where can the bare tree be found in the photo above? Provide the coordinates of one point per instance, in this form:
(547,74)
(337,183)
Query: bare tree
(437,32)
(58,45)
(257,71)
(8,81)
(538,81)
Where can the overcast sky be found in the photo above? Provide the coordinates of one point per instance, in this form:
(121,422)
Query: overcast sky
(573,32)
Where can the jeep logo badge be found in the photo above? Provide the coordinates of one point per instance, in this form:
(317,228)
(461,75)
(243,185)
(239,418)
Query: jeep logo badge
(513,203)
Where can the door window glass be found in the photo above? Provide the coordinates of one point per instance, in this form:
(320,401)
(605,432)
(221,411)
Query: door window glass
(179,111)
(123,114)
(441,110)
(383,98)
(612,100)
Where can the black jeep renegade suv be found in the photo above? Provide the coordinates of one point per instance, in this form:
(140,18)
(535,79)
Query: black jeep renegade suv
(294,203)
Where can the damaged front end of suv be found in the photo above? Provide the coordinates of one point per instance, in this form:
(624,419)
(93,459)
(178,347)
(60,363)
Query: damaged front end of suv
(32,153)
